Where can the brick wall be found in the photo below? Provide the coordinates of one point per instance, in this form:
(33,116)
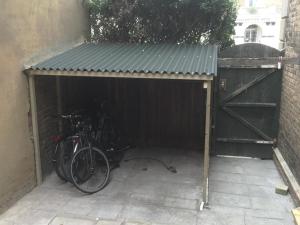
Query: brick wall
(289,128)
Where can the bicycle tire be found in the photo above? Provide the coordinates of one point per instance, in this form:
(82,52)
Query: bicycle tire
(57,164)
(64,158)
(77,157)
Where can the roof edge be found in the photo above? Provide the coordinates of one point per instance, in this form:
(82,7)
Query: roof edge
(136,75)
(50,53)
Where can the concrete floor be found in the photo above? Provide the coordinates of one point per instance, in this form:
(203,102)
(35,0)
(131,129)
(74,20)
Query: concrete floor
(144,192)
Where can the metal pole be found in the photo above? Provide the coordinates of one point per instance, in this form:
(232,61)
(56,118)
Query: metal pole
(37,156)
(208,85)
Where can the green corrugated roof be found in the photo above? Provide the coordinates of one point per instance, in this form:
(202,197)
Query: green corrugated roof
(138,58)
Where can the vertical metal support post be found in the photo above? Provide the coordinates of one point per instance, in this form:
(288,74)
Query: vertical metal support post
(59,102)
(37,156)
(208,86)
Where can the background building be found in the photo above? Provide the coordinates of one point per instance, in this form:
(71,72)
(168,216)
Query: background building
(259,21)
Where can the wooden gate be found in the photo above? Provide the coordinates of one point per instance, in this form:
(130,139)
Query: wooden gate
(247,102)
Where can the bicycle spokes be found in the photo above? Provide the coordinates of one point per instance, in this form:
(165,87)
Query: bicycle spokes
(90,170)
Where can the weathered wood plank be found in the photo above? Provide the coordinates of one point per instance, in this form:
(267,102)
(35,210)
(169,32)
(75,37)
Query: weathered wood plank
(266,62)
(33,110)
(166,113)
(207,140)
(160,76)
(245,141)
(247,124)
(296,214)
(251,104)
(287,175)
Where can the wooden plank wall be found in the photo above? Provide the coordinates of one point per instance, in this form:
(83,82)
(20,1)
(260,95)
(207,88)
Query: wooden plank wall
(47,125)
(166,113)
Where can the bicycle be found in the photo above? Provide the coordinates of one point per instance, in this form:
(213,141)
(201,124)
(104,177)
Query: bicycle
(85,156)
(64,145)
(107,135)
(89,167)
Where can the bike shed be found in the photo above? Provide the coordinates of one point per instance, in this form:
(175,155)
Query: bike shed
(179,76)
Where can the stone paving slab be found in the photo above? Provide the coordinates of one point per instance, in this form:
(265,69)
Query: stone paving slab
(110,222)
(61,220)
(180,203)
(148,213)
(114,222)
(239,195)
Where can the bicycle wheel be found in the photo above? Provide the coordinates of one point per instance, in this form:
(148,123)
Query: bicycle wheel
(89,170)
(57,164)
(63,158)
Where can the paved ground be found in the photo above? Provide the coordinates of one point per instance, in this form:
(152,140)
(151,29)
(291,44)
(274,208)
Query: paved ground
(241,193)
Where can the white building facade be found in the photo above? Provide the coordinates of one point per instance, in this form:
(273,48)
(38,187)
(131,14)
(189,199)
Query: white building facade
(258,21)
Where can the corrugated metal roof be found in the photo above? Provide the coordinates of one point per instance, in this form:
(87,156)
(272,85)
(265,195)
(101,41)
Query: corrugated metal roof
(136,58)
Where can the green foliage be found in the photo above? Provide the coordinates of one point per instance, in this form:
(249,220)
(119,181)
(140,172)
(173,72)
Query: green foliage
(159,21)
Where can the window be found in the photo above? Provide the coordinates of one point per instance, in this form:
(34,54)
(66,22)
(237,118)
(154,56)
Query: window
(270,23)
(251,3)
(251,34)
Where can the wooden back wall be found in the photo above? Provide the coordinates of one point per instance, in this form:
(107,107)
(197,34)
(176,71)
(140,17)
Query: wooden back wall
(166,113)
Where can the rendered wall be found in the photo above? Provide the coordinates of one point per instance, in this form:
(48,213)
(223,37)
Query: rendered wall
(289,131)
(29,31)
